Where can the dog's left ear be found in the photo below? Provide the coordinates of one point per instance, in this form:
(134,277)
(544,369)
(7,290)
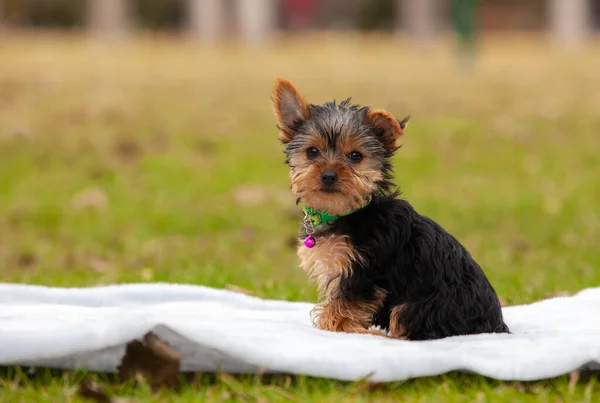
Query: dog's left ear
(289,106)
(387,128)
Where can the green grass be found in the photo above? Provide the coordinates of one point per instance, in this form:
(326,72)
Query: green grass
(158,161)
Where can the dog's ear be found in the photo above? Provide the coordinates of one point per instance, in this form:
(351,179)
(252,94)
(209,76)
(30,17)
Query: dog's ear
(387,128)
(289,106)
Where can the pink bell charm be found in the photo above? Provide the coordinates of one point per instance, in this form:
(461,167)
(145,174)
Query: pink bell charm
(310,242)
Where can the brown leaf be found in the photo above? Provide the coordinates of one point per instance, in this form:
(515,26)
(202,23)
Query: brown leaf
(519,387)
(573,379)
(365,384)
(26,259)
(147,274)
(248,235)
(154,359)
(100,265)
(93,392)
(206,147)
(127,150)
(250,195)
(18,131)
(521,245)
(235,288)
(91,198)
(204,243)
(375,386)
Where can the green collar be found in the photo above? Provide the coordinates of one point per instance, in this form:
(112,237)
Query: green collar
(321,217)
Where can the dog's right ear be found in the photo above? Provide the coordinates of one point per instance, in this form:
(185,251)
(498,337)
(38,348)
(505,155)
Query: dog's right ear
(289,106)
(387,128)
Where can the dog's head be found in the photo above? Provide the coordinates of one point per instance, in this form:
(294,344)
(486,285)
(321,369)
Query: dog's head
(338,153)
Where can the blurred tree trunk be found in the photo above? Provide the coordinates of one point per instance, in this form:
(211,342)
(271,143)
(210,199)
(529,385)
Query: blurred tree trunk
(418,18)
(205,19)
(256,19)
(108,18)
(569,21)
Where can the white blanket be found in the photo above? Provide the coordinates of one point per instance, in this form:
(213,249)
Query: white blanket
(221,330)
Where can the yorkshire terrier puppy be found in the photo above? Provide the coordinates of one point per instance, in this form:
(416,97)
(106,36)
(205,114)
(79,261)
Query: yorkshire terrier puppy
(376,261)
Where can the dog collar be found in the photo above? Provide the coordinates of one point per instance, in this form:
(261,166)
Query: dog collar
(313,218)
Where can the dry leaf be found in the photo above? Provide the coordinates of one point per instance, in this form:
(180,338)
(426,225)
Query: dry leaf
(248,235)
(235,288)
(365,384)
(26,259)
(521,245)
(573,379)
(95,393)
(203,243)
(127,150)
(91,198)
(206,147)
(100,265)
(18,131)
(154,360)
(250,195)
(147,274)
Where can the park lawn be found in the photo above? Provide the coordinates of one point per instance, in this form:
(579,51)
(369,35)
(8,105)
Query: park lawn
(158,160)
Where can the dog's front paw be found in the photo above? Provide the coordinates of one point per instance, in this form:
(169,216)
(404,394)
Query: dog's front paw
(319,318)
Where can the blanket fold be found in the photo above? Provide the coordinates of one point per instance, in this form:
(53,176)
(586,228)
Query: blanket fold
(220,330)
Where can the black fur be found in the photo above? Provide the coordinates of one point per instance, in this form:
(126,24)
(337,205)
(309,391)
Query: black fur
(442,290)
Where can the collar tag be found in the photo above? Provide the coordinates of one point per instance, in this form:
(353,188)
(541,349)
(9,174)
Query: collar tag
(309,227)
(308,223)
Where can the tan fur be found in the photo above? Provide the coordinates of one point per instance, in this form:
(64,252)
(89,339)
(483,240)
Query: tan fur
(288,105)
(397,331)
(392,131)
(356,180)
(332,257)
(334,316)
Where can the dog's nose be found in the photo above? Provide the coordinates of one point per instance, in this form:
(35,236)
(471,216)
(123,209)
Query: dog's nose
(329,177)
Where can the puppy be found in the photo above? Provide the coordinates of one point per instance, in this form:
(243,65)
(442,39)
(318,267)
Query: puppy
(376,261)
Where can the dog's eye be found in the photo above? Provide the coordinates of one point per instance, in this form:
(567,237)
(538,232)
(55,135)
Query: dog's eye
(355,156)
(312,152)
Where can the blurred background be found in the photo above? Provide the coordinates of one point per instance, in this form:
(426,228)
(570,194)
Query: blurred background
(256,20)
(137,141)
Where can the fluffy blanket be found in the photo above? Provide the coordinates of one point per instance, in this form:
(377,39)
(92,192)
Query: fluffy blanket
(220,330)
